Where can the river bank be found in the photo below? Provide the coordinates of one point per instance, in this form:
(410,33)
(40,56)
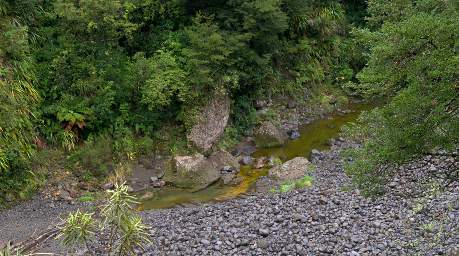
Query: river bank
(419,215)
(31,217)
(315,134)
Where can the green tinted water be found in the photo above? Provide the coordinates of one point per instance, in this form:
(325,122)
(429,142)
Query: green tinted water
(170,197)
(313,136)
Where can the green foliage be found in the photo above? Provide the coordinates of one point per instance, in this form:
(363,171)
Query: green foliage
(78,229)
(96,157)
(207,57)
(413,63)
(163,79)
(120,71)
(243,114)
(287,186)
(18,96)
(120,218)
(304,182)
(119,207)
(229,138)
(134,235)
(87,197)
(126,231)
(136,65)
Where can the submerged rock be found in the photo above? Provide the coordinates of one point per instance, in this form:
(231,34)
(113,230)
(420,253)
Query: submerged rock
(198,172)
(147,195)
(159,184)
(268,135)
(248,149)
(246,160)
(259,163)
(231,179)
(293,134)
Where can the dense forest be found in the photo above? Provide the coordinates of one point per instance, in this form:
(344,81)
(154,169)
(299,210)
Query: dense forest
(113,78)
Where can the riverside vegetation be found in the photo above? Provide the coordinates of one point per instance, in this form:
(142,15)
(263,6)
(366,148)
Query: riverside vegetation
(113,78)
(89,87)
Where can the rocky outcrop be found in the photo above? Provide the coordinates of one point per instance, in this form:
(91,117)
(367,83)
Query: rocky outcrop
(268,135)
(290,170)
(211,123)
(198,172)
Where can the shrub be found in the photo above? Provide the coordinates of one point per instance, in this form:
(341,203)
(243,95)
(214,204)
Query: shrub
(119,220)
(96,157)
(78,229)
(413,64)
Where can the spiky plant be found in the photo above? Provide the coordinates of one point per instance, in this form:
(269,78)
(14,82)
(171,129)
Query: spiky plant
(119,207)
(78,229)
(119,217)
(134,234)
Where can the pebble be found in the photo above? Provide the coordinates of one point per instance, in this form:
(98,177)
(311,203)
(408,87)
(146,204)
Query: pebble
(263,232)
(205,242)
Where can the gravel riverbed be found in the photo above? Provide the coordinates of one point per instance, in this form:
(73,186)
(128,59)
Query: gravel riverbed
(419,215)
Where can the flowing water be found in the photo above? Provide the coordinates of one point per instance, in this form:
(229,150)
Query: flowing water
(313,136)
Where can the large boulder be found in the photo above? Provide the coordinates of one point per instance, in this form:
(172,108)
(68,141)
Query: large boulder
(291,170)
(269,135)
(197,172)
(211,123)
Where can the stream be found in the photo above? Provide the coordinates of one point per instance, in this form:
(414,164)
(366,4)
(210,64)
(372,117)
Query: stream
(314,135)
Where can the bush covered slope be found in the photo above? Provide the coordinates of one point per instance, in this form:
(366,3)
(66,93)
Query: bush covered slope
(77,72)
(414,63)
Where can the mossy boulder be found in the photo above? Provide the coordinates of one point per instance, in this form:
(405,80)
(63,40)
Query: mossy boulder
(291,170)
(197,172)
(269,135)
